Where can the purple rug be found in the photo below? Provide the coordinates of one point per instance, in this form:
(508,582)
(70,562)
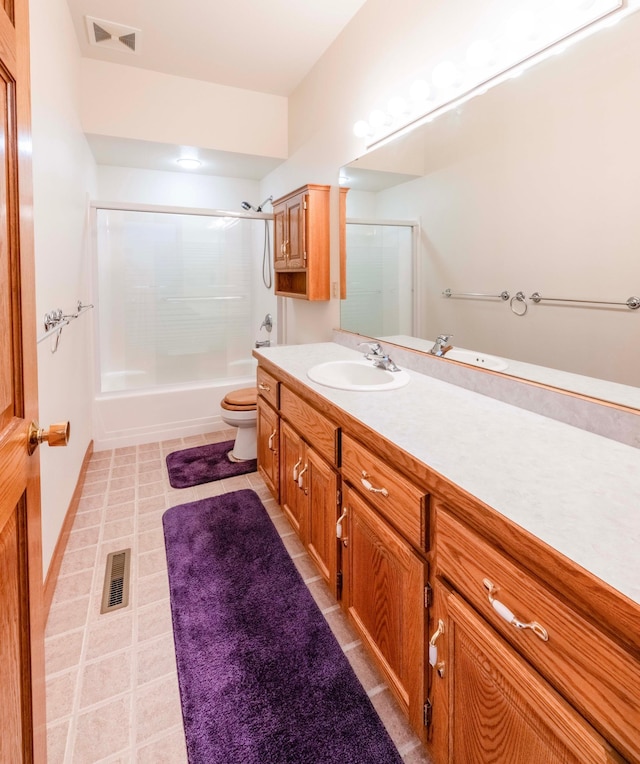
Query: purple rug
(204,464)
(262,678)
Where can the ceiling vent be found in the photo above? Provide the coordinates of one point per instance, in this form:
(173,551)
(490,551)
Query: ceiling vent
(108,34)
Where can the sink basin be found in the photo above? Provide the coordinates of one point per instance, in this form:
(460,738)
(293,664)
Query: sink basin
(359,375)
(477,359)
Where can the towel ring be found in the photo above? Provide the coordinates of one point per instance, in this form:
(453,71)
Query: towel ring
(519,297)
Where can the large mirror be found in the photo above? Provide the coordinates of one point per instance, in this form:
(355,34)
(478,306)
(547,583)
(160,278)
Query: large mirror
(532,187)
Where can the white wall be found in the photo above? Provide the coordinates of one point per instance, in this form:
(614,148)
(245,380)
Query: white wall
(63,180)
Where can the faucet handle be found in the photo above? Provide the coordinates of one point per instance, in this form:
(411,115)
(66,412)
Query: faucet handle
(445,337)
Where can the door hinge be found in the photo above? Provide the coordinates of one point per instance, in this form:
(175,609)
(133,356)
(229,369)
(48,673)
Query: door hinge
(427,713)
(428,595)
(338,496)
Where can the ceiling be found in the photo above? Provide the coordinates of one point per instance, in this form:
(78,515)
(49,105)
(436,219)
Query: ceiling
(267,46)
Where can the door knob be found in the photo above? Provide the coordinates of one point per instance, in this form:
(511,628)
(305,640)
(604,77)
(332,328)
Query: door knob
(56,435)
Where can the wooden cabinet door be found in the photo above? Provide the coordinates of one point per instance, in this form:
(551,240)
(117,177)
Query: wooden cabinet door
(295,247)
(383,594)
(279,237)
(500,709)
(321,482)
(293,499)
(268,432)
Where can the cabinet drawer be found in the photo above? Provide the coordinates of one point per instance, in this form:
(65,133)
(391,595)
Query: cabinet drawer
(267,387)
(398,500)
(592,672)
(318,431)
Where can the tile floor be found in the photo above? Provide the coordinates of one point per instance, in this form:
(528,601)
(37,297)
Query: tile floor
(112,689)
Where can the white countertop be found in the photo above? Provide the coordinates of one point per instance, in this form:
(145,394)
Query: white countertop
(576,491)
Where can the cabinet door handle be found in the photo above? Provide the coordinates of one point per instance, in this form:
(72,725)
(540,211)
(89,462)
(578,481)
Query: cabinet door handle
(367,484)
(300,476)
(264,387)
(341,519)
(433,649)
(295,470)
(503,611)
(270,444)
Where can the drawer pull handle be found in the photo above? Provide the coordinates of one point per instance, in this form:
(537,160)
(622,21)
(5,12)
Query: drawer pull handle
(271,437)
(342,517)
(503,611)
(264,387)
(433,649)
(367,484)
(295,470)
(301,475)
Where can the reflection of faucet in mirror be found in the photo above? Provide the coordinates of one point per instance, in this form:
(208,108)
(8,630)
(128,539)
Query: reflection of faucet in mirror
(440,346)
(379,357)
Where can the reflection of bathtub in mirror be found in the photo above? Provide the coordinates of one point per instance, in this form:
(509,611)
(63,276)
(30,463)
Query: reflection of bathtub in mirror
(624,395)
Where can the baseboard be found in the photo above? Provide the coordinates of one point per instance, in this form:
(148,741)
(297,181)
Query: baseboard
(58,553)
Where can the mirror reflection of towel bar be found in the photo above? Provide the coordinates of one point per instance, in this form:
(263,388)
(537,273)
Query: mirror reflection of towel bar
(633,302)
(502,296)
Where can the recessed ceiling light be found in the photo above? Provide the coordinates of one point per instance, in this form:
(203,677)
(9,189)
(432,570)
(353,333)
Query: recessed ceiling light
(188,163)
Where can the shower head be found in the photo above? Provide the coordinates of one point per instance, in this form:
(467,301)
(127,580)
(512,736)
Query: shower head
(247,206)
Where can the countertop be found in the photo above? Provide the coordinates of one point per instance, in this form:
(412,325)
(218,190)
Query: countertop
(576,491)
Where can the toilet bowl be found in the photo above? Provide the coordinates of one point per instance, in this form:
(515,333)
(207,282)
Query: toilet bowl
(238,409)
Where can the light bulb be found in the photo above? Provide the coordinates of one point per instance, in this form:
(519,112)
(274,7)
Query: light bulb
(378,119)
(445,74)
(361,129)
(420,90)
(189,163)
(480,53)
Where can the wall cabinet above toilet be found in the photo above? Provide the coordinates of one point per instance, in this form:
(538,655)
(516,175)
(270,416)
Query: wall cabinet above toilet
(301,243)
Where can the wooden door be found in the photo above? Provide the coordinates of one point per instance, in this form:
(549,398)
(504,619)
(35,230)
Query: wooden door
(500,709)
(268,430)
(293,499)
(322,515)
(296,232)
(383,593)
(279,237)
(22,715)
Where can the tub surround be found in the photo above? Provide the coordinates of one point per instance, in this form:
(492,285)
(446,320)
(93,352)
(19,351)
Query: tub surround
(613,421)
(574,490)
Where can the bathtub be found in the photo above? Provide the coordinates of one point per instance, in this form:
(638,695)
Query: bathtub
(162,413)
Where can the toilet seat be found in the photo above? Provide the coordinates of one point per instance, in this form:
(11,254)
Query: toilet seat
(245,399)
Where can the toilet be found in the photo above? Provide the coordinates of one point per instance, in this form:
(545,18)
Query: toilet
(238,409)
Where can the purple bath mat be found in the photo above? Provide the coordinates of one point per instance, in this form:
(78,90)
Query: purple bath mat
(204,464)
(262,678)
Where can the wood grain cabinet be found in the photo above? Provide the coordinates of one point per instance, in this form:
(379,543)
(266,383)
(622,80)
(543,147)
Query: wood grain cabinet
(301,243)
(268,437)
(531,677)
(383,594)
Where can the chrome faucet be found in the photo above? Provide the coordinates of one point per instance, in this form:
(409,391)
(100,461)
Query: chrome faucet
(379,357)
(441,346)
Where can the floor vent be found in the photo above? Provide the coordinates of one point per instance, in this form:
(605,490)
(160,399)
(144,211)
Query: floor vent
(115,592)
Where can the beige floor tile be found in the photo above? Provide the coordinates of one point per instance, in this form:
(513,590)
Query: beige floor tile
(151,465)
(152,589)
(124,450)
(103,731)
(67,616)
(152,562)
(118,528)
(120,483)
(169,749)
(105,678)
(293,545)
(157,708)
(208,490)
(364,668)
(152,504)
(321,594)
(341,628)
(151,540)
(120,496)
(57,741)
(79,539)
(113,631)
(74,562)
(73,586)
(148,490)
(394,721)
(155,659)
(87,519)
(119,511)
(63,652)
(417,755)
(122,470)
(238,483)
(97,474)
(94,488)
(60,689)
(153,622)
(304,565)
(87,503)
(150,521)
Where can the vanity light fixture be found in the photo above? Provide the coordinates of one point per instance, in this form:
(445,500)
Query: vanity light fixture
(522,40)
(188,163)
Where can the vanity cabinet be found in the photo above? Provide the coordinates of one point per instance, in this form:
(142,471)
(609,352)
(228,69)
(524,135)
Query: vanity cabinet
(268,431)
(383,594)
(301,243)
(556,684)
(309,481)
